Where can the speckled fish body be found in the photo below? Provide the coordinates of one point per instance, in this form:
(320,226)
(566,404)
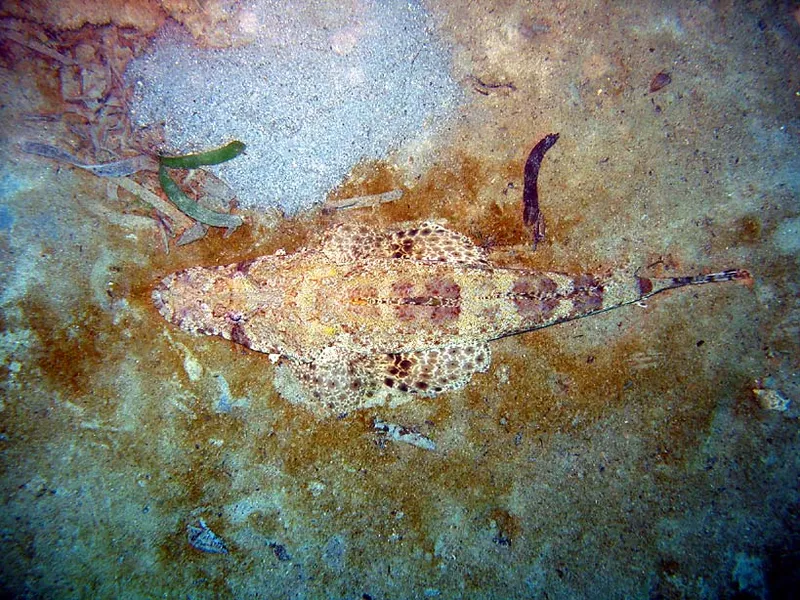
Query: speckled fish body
(372,318)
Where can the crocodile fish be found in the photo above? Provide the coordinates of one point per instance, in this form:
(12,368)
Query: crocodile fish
(372,318)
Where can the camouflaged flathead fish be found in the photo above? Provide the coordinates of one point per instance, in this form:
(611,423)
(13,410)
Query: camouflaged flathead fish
(375,318)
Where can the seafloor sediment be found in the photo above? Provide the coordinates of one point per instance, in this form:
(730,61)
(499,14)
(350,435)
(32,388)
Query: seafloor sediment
(649,452)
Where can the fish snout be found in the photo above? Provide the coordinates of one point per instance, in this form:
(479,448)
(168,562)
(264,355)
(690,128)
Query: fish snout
(162,298)
(185,299)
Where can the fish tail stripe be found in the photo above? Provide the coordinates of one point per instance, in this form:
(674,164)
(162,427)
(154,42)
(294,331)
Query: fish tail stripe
(648,287)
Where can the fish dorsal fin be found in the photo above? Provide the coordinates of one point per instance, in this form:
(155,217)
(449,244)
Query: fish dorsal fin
(424,242)
(349,242)
(430,242)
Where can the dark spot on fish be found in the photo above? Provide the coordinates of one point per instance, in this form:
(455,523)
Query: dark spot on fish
(444,314)
(588,303)
(585,281)
(244,266)
(645,285)
(446,288)
(532,307)
(405,312)
(534,287)
(239,336)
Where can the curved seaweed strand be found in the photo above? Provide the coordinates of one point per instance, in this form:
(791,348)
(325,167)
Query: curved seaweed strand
(531,215)
(211,157)
(191,208)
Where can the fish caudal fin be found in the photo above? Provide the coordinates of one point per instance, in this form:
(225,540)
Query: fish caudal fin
(650,286)
(544,299)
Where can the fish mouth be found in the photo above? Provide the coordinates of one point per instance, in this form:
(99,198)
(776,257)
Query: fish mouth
(161,296)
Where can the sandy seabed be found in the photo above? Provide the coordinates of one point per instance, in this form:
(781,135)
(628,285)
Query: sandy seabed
(648,452)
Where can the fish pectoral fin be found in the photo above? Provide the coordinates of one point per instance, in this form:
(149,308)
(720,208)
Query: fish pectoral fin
(336,383)
(349,242)
(430,242)
(430,372)
(423,242)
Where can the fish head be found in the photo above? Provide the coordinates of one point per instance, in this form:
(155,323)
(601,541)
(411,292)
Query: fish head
(211,301)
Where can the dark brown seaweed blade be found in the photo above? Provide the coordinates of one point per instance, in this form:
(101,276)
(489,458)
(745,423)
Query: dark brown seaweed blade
(531,215)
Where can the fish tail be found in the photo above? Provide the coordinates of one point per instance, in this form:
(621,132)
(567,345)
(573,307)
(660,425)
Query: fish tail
(650,286)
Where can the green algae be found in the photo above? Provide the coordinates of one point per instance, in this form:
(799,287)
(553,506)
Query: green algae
(191,208)
(191,161)
(211,157)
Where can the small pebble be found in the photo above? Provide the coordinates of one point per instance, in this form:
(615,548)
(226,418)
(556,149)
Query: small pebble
(661,80)
(279,550)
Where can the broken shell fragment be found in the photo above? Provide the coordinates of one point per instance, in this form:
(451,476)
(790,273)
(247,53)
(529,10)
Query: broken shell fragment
(202,538)
(771,399)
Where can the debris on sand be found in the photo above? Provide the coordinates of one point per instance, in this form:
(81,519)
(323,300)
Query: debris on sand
(117,168)
(202,538)
(399,433)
